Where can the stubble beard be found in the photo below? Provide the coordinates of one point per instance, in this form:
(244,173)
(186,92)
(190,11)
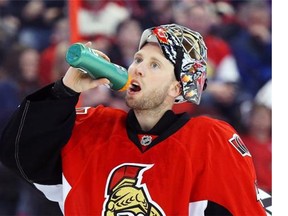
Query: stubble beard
(148,101)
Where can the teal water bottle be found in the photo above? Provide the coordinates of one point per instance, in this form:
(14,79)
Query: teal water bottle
(89,61)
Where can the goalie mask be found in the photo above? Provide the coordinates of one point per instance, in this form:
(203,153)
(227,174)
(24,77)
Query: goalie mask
(186,50)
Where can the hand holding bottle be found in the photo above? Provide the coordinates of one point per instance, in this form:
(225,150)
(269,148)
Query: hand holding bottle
(79,81)
(98,66)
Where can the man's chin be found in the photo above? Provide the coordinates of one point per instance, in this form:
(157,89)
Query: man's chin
(133,103)
(129,101)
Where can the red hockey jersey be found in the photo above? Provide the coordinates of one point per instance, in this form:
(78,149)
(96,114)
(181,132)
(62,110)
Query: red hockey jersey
(105,173)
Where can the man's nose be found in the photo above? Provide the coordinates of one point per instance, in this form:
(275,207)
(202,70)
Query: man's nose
(139,69)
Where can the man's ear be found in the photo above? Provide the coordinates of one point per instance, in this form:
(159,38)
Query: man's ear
(175,89)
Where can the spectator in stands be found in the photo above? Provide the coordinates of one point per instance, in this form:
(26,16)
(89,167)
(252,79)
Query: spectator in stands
(126,42)
(250,41)
(37,18)
(258,136)
(101,17)
(60,33)
(157,13)
(9,26)
(28,68)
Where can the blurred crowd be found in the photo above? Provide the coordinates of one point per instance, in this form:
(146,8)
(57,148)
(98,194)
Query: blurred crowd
(35,34)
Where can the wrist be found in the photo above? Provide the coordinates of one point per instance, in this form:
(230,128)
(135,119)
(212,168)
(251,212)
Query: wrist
(60,90)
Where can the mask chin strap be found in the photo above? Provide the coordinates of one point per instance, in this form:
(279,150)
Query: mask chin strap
(178,63)
(205,84)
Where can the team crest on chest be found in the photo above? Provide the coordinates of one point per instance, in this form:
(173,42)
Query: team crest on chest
(127,195)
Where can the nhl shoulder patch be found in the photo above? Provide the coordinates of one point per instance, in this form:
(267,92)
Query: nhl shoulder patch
(239,145)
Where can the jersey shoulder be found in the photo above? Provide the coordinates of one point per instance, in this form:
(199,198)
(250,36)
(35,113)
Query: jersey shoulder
(217,134)
(210,123)
(99,112)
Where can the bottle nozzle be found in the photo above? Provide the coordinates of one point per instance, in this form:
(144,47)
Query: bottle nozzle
(125,87)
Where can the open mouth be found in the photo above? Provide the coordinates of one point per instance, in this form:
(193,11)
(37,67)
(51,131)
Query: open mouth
(134,87)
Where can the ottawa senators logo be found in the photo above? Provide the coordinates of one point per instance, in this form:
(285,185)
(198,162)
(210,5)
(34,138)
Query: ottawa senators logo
(126,195)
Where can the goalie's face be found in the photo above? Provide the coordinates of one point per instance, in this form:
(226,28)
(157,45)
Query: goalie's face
(153,83)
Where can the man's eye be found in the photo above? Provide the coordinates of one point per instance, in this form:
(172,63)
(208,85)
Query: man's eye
(137,60)
(155,65)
